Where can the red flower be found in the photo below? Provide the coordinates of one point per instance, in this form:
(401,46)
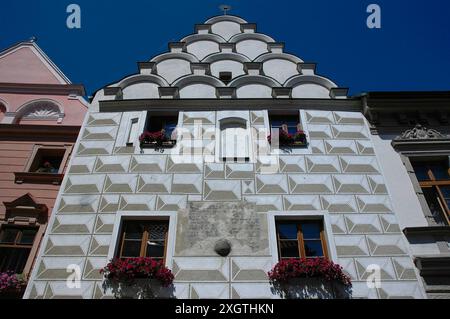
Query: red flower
(289,269)
(128,269)
(159,137)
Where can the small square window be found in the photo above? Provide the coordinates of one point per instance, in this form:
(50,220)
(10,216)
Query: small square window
(301,239)
(144,239)
(47,161)
(157,122)
(226,77)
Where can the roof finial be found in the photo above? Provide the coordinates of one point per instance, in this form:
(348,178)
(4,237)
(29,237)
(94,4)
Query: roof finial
(33,39)
(225,8)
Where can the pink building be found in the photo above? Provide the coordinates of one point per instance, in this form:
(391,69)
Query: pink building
(41,113)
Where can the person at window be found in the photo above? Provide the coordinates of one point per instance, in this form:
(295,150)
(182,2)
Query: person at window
(47,167)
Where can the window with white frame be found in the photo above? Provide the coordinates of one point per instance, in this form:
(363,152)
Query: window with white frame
(234,140)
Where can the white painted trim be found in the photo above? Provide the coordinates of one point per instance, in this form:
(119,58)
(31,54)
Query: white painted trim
(145,215)
(301,215)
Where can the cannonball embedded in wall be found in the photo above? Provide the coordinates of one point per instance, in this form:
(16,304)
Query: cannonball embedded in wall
(223,247)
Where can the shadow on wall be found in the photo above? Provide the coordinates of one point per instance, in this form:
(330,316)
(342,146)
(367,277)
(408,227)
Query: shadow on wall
(312,288)
(138,289)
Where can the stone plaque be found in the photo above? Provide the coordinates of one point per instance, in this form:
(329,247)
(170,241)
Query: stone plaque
(202,224)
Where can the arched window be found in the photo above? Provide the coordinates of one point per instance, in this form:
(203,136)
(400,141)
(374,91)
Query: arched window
(234,140)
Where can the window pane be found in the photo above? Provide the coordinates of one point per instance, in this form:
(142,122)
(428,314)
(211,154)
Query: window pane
(446,193)
(313,248)
(421,171)
(13,259)
(287,231)
(431,197)
(8,235)
(131,248)
(277,121)
(27,237)
(440,170)
(311,230)
(289,248)
(133,230)
(155,249)
(158,231)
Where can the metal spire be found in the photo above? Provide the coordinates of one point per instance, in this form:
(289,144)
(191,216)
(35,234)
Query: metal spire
(225,8)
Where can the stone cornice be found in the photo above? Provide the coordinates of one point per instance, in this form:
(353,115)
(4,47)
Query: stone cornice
(39,132)
(350,105)
(53,89)
(398,104)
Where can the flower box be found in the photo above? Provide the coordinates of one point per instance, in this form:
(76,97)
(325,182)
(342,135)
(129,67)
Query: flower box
(12,286)
(137,278)
(312,278)
(297,140)
(156,140)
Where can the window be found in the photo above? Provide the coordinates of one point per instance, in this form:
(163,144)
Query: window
(234,140)
(156,123)
(301,239)
(434,179)
(286,122)
(226,77)
(15,247)
(144,239)
(47,160)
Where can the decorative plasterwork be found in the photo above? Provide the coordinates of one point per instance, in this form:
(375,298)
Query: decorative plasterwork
(25,209)
(421,133)
(42,110)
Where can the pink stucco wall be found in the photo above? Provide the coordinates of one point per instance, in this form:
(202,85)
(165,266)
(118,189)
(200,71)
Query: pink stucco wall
(24,66)
(73,109)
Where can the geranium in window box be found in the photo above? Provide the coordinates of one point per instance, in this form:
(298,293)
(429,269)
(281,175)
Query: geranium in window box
(157,139)
(286,139)
(310,278)
(137,278)
(12,286)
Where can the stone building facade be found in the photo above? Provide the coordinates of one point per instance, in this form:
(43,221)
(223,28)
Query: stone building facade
(220,93)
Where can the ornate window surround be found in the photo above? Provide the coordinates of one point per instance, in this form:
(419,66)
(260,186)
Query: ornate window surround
(421,142)
(25,212)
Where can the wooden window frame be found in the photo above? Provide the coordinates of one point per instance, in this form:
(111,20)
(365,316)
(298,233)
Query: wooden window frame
(144,238)
(437,184)
(16,244)
(300,238)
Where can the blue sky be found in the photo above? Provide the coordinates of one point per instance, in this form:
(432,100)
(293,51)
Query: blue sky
(410,52)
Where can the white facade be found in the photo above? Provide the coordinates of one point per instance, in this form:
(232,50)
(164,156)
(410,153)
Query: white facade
(339,177)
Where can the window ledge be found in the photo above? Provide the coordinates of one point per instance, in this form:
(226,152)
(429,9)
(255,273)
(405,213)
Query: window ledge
(293,145)
(427,231)
(38,178)
(168,144)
